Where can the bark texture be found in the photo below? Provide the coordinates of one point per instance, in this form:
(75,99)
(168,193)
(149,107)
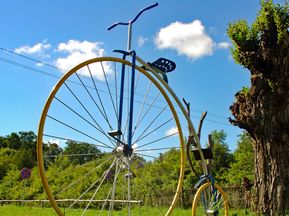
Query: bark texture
(263,111)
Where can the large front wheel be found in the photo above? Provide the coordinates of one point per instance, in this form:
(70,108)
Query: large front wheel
(210,201)
(90,160)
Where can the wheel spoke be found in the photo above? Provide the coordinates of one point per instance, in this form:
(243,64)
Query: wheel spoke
(85,157)
(90,115)
(154,149)
(157,140)
(152,131)
(97,189)
(150,106)
(83,177)
(76,141)
(108,88)
(77,130)
(102,178)
(151,123)
(97,128)
(102,111)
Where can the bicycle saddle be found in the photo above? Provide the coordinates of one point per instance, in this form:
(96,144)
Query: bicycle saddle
(164,65)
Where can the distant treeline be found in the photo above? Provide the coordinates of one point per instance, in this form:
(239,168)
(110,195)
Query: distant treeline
(158,176)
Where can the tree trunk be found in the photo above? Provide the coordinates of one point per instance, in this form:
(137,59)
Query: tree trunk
(263,109)
(267,121)
(271,186)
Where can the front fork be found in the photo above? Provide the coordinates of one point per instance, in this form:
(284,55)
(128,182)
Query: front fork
(128,146)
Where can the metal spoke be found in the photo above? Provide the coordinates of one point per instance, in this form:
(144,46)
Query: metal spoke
(73,140)
(157,140)
(79,131)
(150,106)
(92,185)
(84,176)
(145,155)
(70,155)
(142,105)
(156,149)
(117,171)
(150,124)
(110,94)
(155,129)
(100,130)
(99,98)
(104,177)
(116,91)
(88,92)
(87,111)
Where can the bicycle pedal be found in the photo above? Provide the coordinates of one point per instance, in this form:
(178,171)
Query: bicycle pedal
(115,133)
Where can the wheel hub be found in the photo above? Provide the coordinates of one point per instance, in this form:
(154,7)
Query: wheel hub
(127,150)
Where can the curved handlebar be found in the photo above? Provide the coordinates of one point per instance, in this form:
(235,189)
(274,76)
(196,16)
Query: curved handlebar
(137,16)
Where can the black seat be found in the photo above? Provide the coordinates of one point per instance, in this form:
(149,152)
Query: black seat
(163,65)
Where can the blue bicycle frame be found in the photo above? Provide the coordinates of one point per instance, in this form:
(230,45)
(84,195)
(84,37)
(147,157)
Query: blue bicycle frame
(132,53)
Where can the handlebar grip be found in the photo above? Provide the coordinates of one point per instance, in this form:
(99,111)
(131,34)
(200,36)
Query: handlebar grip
(116,24)
(143,10)
(136,17)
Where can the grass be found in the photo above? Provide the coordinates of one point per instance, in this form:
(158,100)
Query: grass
(13,210)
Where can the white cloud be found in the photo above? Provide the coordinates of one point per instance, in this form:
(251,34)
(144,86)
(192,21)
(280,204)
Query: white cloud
(80,51)
(141,41)
(38,48)
(172,131)
(223,45)
(189,39)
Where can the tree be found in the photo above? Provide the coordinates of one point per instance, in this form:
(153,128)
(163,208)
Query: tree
(222,155)
(263,109)
(243,165)
(81,153)
(13,141)
(6,161)
(52,150)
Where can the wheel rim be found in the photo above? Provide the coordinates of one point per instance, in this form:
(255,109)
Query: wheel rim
(82,110)
(209,201)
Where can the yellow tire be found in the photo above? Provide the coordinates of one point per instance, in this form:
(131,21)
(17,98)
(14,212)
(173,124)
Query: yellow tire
(207,202)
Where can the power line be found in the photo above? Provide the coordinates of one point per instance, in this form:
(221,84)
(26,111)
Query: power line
(29,58)
(58,77)
(28,67)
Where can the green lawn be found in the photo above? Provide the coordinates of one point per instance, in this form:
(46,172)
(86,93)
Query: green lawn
(12,210)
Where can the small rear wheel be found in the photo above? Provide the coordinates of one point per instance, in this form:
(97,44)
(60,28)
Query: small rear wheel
(210,201)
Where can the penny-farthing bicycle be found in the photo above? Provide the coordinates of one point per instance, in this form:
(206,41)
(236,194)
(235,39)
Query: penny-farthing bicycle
(113,117)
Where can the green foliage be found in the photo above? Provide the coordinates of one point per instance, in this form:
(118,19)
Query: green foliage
(155,180)
(245,91)
(243,166)
(7,156)
(53,150)
(74,148)
(270,16)
(23,144)
(222,155)
(13,141)
(272,20)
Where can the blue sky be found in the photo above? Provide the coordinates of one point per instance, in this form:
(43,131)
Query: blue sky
(64,33)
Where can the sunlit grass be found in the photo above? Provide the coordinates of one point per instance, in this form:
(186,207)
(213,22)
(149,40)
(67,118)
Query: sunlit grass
(12,210)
